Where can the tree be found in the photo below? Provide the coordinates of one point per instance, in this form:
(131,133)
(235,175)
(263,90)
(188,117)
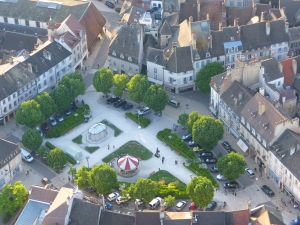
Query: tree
(207,132)
(231,165)
(200,190)
(57,159)
(62,98)
(72,172)
(103,80)
(169,201)
(42,151)
(182,119)
(74,84)
(103,178)
(12,197)
(47,104)
(156,98)
(137,87)
(76,75)
(32,139)
(206,73)
(193,117)
(82,176)
(120,82)
(29,114)
(143,188)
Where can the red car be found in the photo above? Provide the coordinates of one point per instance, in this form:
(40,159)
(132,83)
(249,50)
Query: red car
(45,127)
(192,206)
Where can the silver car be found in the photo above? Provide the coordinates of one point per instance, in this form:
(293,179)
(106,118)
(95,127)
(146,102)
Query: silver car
(59,117)
(52,121)
(40,131)
(144,111)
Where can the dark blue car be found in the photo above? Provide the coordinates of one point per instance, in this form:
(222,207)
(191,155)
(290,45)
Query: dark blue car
(108,205)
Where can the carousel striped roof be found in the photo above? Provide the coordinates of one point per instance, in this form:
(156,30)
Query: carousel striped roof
(128,162)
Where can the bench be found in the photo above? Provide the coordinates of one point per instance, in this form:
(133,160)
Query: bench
(113,159)
(177,152)
(153,172)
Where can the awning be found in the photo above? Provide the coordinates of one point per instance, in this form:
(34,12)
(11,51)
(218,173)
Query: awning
(213,110)
(169,86)
(155,81)
(186,87)
(233,131)
(242,145)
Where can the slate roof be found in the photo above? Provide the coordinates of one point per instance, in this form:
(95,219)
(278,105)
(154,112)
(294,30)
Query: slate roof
(112,218)
(171,6)
(260,8)
(214,9)
(147,218)
(219,79)
(269,119)
(34,31)
(287,70)
(42,194)
(173,19)
(180,60)
(165,29)
(7,148)
(294,33)
(272,71)
(296,83)
(149,42)
(232,92)
(177,222)
(83,213)
(156,56)
(239,217)
(277,33)
(16,41)
(243,14)
(284,143)
(187,9)
(133,15)
(297,58)
(291,7)
(209,218)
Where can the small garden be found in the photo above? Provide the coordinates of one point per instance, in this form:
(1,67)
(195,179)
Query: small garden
(140,120)
(69,158)
(117,131)
(131,148)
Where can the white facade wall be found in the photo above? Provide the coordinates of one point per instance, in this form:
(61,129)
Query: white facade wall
(157,4)
(11,20)
(9,104)
(280,50)
(9,171)
(155,71)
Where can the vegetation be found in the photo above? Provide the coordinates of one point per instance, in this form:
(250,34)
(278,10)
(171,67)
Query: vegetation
(142,121)
(103,80)
(120,82)
(57,159)
(29,114)
(72,171)
(91,149)
(82,176)
(74,83)
(70,159)
(143,188)
(32,139)
(62,98)
(193,117)
(47,104)
(42,151)
(137,87)
(206,73)
(130,148)
(49,145)
(156,98)
(117,130)
(78,139)
(169,201)
(182,119)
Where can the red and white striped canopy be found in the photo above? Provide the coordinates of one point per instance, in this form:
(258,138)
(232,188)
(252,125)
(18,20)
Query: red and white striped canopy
(128,162)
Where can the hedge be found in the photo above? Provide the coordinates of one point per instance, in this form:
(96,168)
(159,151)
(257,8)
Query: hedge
(50,146)
(68,124)
(69,158)
(164,191)
(142,121)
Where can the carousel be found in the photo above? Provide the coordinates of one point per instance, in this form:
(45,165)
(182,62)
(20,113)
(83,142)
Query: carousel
(128,165)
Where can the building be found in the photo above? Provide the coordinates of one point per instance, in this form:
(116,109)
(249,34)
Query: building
(238,3)
(156,63)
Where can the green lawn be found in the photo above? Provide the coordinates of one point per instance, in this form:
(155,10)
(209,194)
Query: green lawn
(166,178)
(78,139)
(117,130)
(131,148)
(91,149)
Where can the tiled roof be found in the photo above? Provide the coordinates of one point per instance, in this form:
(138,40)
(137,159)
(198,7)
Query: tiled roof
(294,33)
(272,71)
(7,148)
(42,194)
(147,218)
(34,31)
(171,6)
(277,33)
(180,60)
(165,29)
(112,218)
(83,213)
(288,94)
(214,9)
(263,124)
(260,8)
(287,71)
(233,92)
(187,9)
(149,42)
(243,14)
(133,15)
(206,218)
(290,8)
(239,217)
(16,41)
(156,56)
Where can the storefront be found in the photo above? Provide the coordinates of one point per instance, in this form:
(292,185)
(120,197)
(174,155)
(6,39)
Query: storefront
(213,111)
(288,193)
(155,81)
(169,88)
(187,88)
(273,175)
(261,164)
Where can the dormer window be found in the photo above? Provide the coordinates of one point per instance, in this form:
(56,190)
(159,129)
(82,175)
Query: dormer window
(232,38)
(129,58)
(114,53)
(207,55)
(122,56)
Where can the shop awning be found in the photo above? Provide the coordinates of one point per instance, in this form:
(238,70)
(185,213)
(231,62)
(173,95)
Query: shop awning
(186,87)
(152,80)
(169,86)
(242,145)
(213,110)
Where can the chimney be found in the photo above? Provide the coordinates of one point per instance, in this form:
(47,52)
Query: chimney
(220,26)
(262,17)
(194,42)
(240,96)
(280,67)
(190,19)
(235,22)
(292,150)
(283,99)
(174,44)
(262,91)
(68,200)
(261,107)
(29,67)
(286,27)
(268,28)
(276,103)
(207,17)
(198,10)
(294,66)
(138,36)
(235,101)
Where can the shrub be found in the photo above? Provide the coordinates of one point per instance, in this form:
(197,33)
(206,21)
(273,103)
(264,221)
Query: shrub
(71,159)
(78,139)
(164,191)
(91,149)
(142,121)
(50,146)
(117,130)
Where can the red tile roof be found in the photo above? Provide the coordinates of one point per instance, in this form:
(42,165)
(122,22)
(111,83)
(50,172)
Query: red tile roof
(287,71)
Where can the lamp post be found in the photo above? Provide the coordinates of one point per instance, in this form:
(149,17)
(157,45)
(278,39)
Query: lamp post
(87,159)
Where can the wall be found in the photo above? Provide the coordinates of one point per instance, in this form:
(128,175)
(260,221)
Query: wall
(159,75)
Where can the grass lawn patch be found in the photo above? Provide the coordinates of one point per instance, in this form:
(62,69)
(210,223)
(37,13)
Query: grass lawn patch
(91,149)
(165,177)
(131,148)
(117,130)
(78,139)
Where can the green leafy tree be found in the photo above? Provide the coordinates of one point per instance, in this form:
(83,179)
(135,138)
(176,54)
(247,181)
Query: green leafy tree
(137,87)
(193,117)
(76,75)
(103,80)
(103,178)
(12,197)
(62,98)
(231,165)
(32,139)
(74,84)
(120,82)
(156,98)
(143,188)
(182,119)
(207,132)
(206,73)
(47,104)
(200,190)
(57,159)
(42,151)
(72,171)
(82,176)
(169,201)
(29,114)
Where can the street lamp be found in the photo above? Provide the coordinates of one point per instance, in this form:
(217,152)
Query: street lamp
(87,159)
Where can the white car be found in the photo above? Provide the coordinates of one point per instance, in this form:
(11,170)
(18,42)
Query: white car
(180,205)
(122,199)
(53,121)
(144,111)
(249,172)
(113,196)
(139,201)
(221,177)
(40,131)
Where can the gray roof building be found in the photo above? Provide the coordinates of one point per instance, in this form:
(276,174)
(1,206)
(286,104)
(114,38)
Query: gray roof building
(171,6)
(132,15)
(291,11)
(165,29)
(147,218)
(16,41)
(272,71)
(112,218)
(180,60)
(294,34)
(156,56)
(8,151)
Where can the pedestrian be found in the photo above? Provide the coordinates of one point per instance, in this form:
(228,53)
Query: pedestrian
(176,162)
(108,147)
(163,160)
(27,172)
(85,68)
(113,147)
(234,193)
(216,189)
(98,65)
(191,175)
(69,178)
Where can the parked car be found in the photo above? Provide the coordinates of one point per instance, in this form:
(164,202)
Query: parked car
(118,10)
(45,127)
(187,137)
(144,111)
(206,155)
(59,117)
(210,160)
(122,199)
(267,190)
(213,169)
(112,99)
(193,144)
(52,121)
(198,148)
(221,177)
(110,4)
(127,106)
(295,221)
(119,103)
(192,206)
(180,205)
(231,185)
(231,150)
(139,201)
(40,131)
(113,196)
(108,205)
(226,145)
(68,112)
(74,106)
(211,206)
(154,203)
(174,103)
(46,181)
(249,172)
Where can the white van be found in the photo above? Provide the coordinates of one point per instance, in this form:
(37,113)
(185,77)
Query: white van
(26,155)
(154,203)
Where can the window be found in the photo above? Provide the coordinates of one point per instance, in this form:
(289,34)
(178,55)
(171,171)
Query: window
(33,82)
(3,102)
(233,58)
(166,36)
(21,98)
(202,63)
(16,21)
(14,95)
(278,84)
(227,59)
(5,19)
(15,103)
(122,56)
(279,49)
(238,55)
(114,53)
(155,70)
(191,78)
(261,54)
(9,106)
(27,22)
(5,110)
(51,78)
(231,3)
(129,58)
(249,56)
(197,65)
(285,171)
(20,91)
(40,86)
(285,48)
(208,61)
(37,24)
(218,57)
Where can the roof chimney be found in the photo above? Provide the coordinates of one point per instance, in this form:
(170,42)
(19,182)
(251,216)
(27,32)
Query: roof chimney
(262,17)
(262,91)
(190,19)
(235,101)
(207,16)
(280,67)
(286,27)
(294,66)
(235,22)
(138,36)
(261,107)
(240,96)
(283,99)
(220,26)
(268,28)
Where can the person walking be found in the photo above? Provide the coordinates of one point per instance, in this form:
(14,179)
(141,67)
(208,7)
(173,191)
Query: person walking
(113,147)
(108,147)
(176,162)
(69,178)
(163,160)
(27,172)
(191,175)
